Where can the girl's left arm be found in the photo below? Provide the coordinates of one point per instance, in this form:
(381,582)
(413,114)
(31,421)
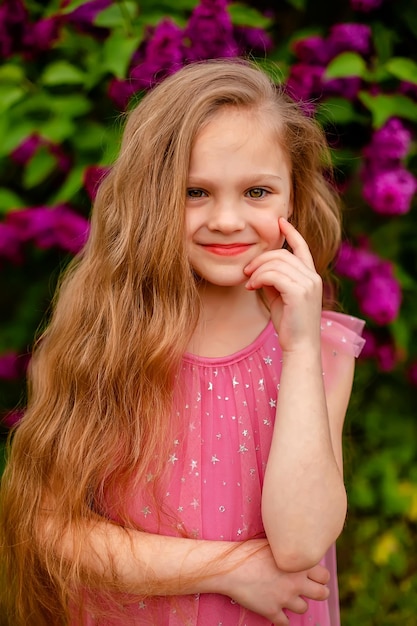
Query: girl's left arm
(304,499)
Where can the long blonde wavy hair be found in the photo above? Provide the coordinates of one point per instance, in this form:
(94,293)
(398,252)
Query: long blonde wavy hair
(102,375)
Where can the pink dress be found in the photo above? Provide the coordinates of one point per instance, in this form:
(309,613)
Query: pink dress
(217,469)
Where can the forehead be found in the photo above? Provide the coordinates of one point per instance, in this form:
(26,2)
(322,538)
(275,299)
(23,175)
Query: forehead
(249,130)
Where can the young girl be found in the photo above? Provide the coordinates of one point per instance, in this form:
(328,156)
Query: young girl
(180,460)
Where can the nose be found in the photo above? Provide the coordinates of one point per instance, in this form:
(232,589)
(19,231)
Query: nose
(226,217)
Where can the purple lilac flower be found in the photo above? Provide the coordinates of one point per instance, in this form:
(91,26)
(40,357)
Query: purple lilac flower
(10,243)
(412,373)
(41,36)
(355,263)
(408,89)
(390,192)
(9,366)
(382,349)
(72,230)
(120,92)
(350,37)
(26,149)
(48,227)
(254,39)
(312,50)
(12,418)
(390,142)
(386,356)
(84,15)
(370,346)
(210,31)
(365,6)
(379,294)
(13,18)
(93,175)
(305,81)
(163,55)
(347,87)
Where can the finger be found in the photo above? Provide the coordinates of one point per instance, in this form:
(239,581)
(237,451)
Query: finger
(298,605)
(319,573)
(280,257)
(316,591)
(296,241)
(285,279)
(281,619)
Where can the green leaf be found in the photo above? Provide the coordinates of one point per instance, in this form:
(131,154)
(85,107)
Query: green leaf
(11,73)
(72,184)
(118,50)
(9,200)
(62,73)
(72,5)
(70,105)
(119,14)
(277,70)
(337,111)
(243,15)
(91,137)
(58,129)
(384,39)
(38,168)
(13,135)
(401,333)
(384,106)
(10,95)
(403,69)
(300,5)
(167,6)
(346,64)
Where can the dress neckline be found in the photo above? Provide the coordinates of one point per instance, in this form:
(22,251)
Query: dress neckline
(235,356)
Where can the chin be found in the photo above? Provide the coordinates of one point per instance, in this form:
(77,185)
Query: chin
(223,281)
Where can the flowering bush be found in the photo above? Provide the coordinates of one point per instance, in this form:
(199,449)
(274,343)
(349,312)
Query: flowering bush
(69,69)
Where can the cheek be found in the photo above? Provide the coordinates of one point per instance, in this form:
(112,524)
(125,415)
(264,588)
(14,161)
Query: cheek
(270,231)
(190,226)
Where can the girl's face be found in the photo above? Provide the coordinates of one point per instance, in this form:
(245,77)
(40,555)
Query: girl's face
(239,184)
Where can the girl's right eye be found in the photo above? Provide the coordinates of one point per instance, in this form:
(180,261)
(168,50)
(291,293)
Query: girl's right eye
(195,193)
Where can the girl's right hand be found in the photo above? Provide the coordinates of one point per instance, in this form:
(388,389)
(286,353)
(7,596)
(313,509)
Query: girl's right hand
(257,584)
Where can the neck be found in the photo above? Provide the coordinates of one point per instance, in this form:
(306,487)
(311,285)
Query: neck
(227,302)
(231,318)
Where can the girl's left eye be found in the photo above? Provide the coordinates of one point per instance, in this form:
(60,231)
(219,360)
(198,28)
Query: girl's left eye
(257,192)
(195,193)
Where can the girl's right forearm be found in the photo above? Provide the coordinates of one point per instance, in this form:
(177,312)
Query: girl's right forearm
(140,563)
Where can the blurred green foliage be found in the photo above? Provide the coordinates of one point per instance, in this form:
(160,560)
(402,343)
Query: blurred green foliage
(61,94)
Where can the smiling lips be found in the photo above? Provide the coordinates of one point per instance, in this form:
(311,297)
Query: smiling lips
(231,249)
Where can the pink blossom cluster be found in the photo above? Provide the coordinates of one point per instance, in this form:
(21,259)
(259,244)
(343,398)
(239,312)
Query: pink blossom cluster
(379,296)
(365,6)
(307,79)
(27,149)
(376,287)
(12,418)
(19,35)
(93,175)
(381,347)
(12,365)
(388,187)
(208,34)
(47,227)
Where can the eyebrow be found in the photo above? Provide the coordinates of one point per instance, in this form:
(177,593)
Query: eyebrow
(247,180)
